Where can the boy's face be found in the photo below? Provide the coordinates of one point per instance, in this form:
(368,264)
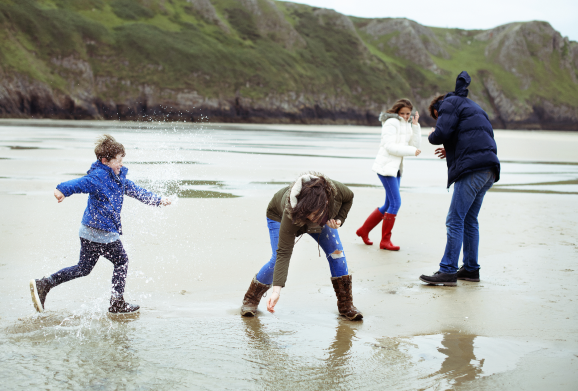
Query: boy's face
(115,164)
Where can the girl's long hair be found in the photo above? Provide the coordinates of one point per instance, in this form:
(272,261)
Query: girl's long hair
(400,104)
(314,198)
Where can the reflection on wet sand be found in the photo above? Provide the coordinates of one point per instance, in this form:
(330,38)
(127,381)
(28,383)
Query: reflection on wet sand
(460,364)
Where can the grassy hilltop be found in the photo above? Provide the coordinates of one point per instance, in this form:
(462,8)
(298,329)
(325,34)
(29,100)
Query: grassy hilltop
(267,61)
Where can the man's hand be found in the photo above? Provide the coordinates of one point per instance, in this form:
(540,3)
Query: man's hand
(165,201)
(273,299)
(59,196)
(417,152)
(415,118)
(441,153)
(334,223)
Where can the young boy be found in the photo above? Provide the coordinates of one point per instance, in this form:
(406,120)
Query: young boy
(100,230)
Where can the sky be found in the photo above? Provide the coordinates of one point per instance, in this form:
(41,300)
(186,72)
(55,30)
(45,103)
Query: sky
(481,14)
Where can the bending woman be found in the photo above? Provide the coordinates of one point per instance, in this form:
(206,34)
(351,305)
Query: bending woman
(399,138)
(318,206)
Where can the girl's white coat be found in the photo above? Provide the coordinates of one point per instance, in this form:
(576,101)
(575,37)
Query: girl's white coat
(399,138)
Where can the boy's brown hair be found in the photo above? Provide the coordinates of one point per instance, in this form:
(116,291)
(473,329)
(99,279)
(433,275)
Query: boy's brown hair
(432,106)
(400,104)
(108,148)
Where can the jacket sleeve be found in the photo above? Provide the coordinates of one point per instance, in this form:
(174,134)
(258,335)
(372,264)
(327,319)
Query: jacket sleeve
(86,184)
(446,124)
(346,203)
(389,141)
(415,139)
(287,233)
(143,195)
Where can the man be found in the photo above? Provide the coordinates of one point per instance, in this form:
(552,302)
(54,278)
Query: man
(473,166)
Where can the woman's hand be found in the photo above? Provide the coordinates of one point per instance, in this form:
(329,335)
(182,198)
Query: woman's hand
(165,201)
(441,153)
(417,152)
(334,223)
(273,299)
(59,196)
(415,118)
(431,131)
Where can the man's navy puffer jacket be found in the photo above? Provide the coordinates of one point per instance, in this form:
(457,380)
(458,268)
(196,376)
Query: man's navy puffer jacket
(106,192)
(466,133)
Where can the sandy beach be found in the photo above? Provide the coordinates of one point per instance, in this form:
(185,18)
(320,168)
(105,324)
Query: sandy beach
(191,263)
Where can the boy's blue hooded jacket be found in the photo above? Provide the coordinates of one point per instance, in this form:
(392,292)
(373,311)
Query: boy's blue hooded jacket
(466,133)
(105,196)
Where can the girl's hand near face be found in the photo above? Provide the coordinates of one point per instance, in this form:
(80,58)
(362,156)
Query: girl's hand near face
(415,119)
(334,223)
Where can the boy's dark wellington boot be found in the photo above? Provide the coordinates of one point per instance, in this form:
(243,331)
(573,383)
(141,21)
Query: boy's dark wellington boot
(363,232)
(39,289)
(253,297)
(439,278)
(120,307)
(343,291)
(388,222)
(464,274)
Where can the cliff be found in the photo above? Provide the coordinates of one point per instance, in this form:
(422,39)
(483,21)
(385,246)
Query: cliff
(268,61)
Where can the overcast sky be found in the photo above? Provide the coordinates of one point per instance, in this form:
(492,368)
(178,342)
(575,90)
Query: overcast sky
(480,14)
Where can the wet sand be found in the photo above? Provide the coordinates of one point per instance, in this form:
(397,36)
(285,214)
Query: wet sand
(192,262)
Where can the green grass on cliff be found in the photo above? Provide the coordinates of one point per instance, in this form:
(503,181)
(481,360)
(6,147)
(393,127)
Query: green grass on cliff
(168,45)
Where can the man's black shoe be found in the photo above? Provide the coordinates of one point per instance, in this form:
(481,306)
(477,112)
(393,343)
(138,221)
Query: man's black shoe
(463,274)
(440,278)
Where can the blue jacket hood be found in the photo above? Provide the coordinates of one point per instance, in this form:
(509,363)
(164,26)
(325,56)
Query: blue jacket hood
(98,165)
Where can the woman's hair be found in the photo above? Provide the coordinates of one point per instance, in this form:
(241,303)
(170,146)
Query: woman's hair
(400,104)
(432,104)
(107,147)
(314,198)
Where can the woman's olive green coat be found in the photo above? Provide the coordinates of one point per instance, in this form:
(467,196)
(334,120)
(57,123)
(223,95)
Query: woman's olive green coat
(279,210)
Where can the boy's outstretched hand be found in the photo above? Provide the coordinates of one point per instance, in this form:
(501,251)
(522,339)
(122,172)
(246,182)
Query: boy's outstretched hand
(59,196)
(164,201)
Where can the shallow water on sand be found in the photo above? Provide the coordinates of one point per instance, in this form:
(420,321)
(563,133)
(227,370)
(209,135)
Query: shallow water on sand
(94,351)
(182,341)
(226,161)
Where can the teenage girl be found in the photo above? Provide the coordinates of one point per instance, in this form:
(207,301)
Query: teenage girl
(400,136)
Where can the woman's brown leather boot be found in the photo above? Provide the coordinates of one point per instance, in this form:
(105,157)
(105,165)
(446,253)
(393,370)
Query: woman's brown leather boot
(342,287)
(253,297)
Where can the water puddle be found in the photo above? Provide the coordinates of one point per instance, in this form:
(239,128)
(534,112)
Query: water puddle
(156,352)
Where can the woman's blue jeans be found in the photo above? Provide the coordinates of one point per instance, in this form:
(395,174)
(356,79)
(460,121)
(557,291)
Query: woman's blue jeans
(462,221)
(329,241)
(392,197)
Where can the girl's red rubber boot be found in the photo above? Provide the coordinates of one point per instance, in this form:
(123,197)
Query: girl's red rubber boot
(374,218)
(388,222)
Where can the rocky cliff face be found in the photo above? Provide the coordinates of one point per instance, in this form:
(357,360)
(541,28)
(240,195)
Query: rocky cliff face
(267,61)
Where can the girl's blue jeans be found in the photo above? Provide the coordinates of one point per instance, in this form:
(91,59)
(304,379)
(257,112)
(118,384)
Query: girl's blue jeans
(392,197)
(462,221)
(328,240)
